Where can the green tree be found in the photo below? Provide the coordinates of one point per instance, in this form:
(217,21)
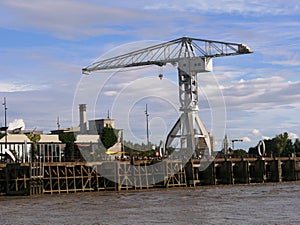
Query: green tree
(108,137)
(253,151)
(271,147)
(280,145)
(136,149)
(35,139)
(297,146)
(239,152)
(1,135)
(68,139)
(284,144)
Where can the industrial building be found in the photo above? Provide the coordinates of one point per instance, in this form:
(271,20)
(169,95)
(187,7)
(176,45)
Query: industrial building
(87,127)
(94,126)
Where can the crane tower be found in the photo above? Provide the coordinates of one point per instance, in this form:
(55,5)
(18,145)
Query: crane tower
(191,56)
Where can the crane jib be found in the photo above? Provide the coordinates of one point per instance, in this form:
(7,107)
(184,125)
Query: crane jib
(170,52)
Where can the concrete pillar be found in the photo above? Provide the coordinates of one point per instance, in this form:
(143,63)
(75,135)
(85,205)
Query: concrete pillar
(260,170)
(241,172)
(190,173)
(223,172)
(273,170)
(297,170)
(59,152)
(289,170)
(207,176)
(43,152)
(257,171)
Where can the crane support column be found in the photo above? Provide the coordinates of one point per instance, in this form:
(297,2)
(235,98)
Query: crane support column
(189,129)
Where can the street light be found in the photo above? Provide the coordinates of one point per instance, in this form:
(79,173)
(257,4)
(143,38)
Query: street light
(235,140)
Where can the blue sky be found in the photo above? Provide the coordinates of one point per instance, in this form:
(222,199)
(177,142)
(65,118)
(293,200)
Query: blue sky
(44,45)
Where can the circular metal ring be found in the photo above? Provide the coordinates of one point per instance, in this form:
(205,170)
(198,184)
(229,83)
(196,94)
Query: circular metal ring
(261,143)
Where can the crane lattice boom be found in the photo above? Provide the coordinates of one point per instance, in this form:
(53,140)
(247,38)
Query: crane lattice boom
(169,52)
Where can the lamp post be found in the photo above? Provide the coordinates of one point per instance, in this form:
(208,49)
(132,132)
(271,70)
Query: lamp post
(5,123)
(5,126)
(147,126)
(235,140)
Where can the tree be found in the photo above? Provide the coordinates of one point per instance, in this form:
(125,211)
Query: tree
(284,144)
(271,147)
(280,145)
(1,135)
(253,151)
(68,139)
(108,137)
(239,152)
(297,146)
(35,139)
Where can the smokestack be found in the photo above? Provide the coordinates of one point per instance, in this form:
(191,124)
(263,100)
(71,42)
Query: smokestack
(82,118)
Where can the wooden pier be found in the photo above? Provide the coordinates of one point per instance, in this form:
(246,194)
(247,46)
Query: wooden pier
(242,170)
(70,177)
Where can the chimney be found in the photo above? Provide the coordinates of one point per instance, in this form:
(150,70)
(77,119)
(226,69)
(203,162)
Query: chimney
(82,118)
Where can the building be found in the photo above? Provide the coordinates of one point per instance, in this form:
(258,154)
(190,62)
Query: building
(49,148)
(201,146)
(86,145)
(87,127)
(94,126)
(19,144)
(97,126)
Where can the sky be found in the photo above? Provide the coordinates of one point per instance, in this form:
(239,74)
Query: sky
(45,44)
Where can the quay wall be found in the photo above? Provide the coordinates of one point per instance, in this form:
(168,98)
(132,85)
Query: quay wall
(242,170)
(70,177)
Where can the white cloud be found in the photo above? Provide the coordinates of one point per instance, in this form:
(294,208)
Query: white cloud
(290,62)
(246,139)
(255,132)
(237,6)
(265,138)
(16,87)
(293,135)
(261,93)
(67,19)
(110,93)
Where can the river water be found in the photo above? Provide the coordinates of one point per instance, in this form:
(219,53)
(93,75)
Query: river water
(276,203)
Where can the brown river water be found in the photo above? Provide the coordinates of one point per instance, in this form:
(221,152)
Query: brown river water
(276,203)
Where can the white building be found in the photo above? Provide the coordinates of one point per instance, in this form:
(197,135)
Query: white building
(50,148)
(19,144)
